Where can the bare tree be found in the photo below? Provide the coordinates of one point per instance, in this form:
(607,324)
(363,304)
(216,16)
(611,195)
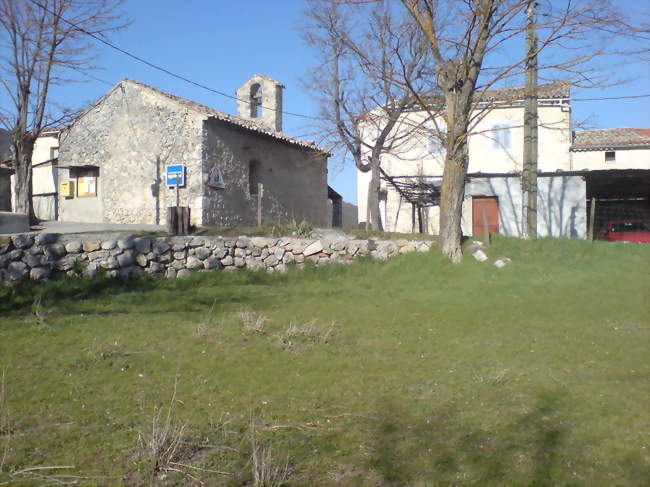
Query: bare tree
(471,42)
(364,55)
(41,41)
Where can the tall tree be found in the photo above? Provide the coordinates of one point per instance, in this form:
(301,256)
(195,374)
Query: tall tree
(470,42)
(41,41)
(364,55)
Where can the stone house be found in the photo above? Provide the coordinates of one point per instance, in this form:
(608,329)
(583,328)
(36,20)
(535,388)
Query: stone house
(114,158)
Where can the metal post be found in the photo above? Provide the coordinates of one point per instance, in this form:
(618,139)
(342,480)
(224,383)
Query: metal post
(177,192)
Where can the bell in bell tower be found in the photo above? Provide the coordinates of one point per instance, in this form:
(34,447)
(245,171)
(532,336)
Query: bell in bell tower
(260,99)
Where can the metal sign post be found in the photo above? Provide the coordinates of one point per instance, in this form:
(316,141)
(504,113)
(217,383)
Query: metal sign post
(178,178)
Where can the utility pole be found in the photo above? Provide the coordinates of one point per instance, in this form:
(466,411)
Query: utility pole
(529,173)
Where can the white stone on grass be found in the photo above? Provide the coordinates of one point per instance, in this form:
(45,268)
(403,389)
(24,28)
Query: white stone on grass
(480,255)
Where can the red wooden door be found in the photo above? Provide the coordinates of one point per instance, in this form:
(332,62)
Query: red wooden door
(485,208)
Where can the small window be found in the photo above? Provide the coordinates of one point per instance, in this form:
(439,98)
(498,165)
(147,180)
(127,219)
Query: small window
(610,156)
(54,153)
(256,100)
(86,182)
(254,176)
(500,137)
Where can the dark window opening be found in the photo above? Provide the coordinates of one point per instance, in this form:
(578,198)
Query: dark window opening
(256,100)
(254,176)
(610,156)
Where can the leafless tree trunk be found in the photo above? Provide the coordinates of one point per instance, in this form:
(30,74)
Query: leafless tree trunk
(467,40)
(41,40)
(359,82)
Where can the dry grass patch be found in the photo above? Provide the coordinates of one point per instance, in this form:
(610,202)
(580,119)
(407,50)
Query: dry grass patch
(312,332)
(251,321)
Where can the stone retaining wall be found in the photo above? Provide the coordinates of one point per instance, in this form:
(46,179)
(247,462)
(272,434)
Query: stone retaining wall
(41,256)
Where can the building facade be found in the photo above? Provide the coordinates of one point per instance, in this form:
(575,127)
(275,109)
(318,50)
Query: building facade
(116,159)
(493,196)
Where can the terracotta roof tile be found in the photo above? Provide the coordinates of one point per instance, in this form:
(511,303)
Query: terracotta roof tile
(611,139)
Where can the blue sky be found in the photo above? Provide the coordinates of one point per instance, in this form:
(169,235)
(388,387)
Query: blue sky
(221,43)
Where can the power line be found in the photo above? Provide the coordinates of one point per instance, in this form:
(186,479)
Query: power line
(212,90)
(611,98)
(160,68)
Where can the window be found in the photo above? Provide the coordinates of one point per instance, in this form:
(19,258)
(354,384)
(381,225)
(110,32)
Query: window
(610,156)
(500,137)
(54,153)
(254,176)
(256,100)
(86,181)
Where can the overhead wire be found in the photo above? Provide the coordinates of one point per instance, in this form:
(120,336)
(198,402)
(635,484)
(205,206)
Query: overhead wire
(160,68)
(221,93)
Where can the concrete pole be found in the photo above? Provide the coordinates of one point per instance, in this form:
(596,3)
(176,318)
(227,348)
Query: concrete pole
(529,175)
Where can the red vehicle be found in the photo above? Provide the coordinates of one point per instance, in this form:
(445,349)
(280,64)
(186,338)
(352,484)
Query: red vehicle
(626,231)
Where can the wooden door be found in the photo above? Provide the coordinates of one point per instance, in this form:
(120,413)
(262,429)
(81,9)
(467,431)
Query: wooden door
(485,208)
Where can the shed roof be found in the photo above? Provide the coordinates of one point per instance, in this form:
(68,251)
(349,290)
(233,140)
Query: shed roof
(606,139)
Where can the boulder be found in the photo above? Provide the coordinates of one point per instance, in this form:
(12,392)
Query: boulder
(73,247)
(194,263)
(55,250)
(183,274)
(260,242)
(141,260)
(313,248)
(271,260)
(211,263)
(90,246)
(143,245)
(109,244)
(39,273)
(46,238)
(110,263)
(202,253)
(126,259)
(17,270)
(126,242)
(220,253)
(22,241)
(160,247)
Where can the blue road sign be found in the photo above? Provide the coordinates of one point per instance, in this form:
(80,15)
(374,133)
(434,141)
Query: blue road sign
(174,174)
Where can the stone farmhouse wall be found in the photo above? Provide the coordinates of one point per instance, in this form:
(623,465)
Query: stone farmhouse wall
(42,256)
(135,131)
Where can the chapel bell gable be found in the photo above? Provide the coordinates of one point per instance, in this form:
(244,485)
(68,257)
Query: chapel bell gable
(260,99)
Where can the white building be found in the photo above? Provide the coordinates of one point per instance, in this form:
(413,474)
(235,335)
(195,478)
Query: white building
(493,189)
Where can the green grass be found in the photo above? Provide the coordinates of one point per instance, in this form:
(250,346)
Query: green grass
(409,372)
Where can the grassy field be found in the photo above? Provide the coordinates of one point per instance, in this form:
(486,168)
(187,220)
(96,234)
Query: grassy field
(409,372)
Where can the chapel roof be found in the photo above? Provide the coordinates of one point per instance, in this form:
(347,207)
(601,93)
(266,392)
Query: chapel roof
(227,118)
